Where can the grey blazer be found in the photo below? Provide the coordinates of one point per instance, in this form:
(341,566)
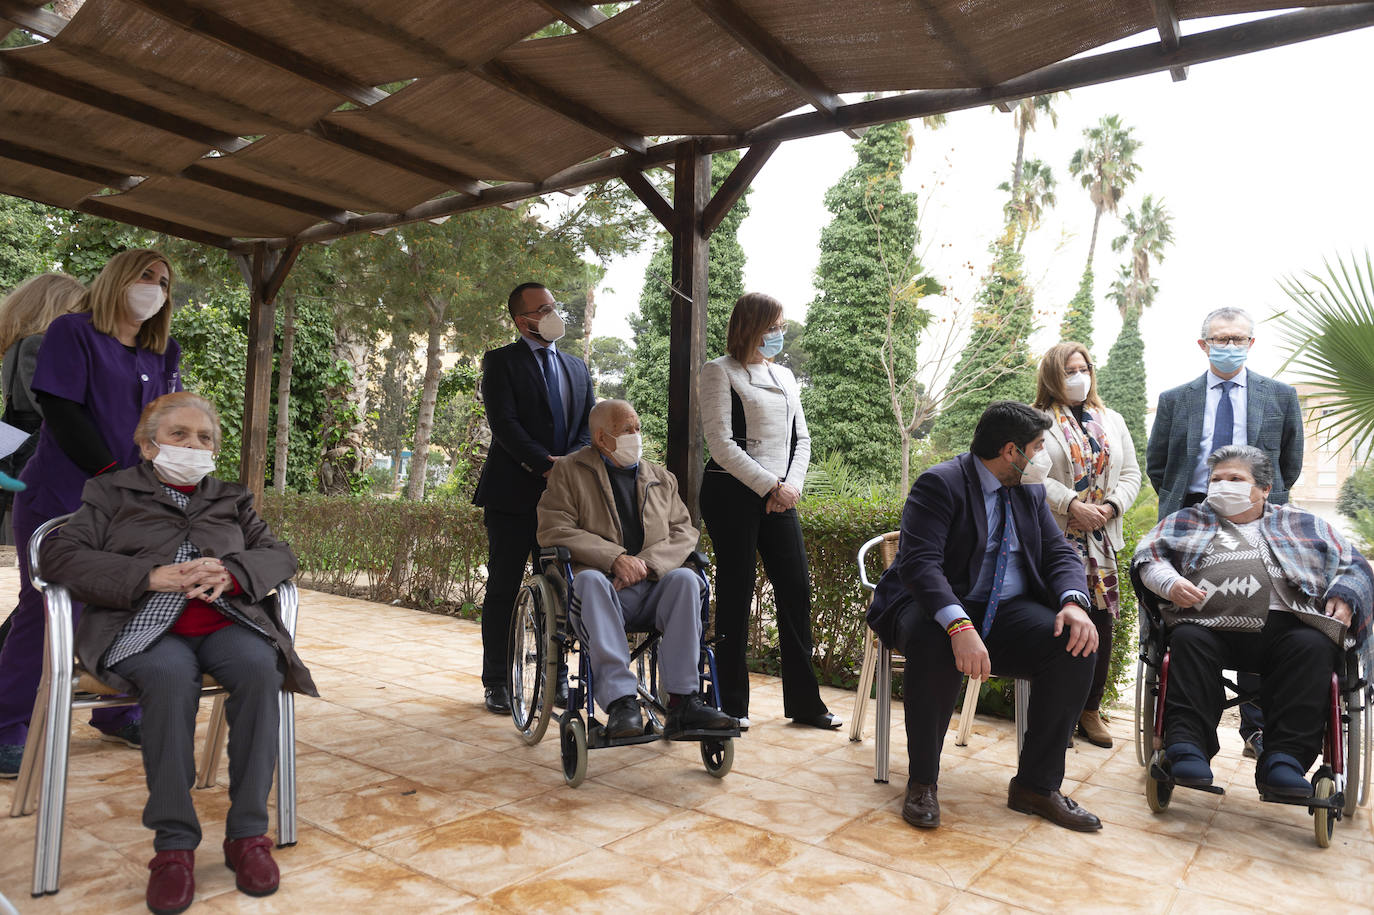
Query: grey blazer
(1273,424)
(770,400)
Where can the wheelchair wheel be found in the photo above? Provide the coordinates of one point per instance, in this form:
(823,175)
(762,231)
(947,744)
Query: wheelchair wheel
(1360,775)
(1355,760)
(1323,818)
(572,739)
(1145,680)
(718,755)
(534,660)
(1158,793)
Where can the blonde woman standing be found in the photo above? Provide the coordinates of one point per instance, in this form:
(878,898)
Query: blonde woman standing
(1093,480)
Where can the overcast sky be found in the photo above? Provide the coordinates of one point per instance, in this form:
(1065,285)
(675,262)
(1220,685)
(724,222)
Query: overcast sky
(1264,161)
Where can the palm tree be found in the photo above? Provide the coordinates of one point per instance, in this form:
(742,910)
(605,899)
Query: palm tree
(1148,232)
(1023,118)
(1033,195)
(1105,165)
(1329,335)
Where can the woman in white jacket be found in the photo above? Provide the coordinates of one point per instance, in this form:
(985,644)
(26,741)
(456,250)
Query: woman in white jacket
(751,417)
(1093,480)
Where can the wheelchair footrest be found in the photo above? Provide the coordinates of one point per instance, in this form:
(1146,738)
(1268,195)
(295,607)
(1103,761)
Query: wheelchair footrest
(703,734)
(1159,774)
(597,739)
(1335,802)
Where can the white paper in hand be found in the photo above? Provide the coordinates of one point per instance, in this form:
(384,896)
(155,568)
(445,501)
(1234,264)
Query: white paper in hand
(11,437)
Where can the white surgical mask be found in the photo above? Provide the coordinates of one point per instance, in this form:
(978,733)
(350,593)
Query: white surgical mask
(1076,387)
(628,449)
(772,344)
(144,300)
(551,327)
(1036,469)
(183,466)
(1229,497)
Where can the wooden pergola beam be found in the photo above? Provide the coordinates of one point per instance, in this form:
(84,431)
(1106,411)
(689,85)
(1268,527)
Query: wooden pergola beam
(251,189)
(1215,44)
(105,177)
(949,36)
(787,66)
(687,319)
(98,206)
(649,196)
(396,156)
(517,83)
(735,184)
(580,16)
(32,17)
(1166,18)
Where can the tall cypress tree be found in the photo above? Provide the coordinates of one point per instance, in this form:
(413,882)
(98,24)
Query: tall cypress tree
(1121,382)
(997,360)
(1078,319)
(867,262)
(646,381)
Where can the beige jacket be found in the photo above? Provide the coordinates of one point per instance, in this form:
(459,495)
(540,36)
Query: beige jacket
(577,511)
(1123,473)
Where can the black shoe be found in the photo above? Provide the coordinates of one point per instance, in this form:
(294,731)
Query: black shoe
(692,714)
(623,718)
(498,700)
(560,692)
(826,721)
(922,806)
(1055,807)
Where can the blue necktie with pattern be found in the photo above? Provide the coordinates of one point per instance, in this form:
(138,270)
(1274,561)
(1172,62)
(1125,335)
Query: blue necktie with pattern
(999,572)
(560,422)
(1223,429)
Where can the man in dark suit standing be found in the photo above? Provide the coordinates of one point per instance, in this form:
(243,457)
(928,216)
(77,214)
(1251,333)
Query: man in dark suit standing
(970,593)
(1229,405)
(537,402)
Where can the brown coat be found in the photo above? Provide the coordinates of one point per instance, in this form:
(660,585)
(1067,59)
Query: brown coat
(127,525)
(578,512)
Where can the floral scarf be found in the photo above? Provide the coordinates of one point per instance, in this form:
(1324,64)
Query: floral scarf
(1089,459)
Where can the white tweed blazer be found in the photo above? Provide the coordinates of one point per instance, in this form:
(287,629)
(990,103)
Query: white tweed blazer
(771,399)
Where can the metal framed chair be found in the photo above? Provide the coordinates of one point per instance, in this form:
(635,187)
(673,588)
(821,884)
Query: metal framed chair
(65,685)
(878,663)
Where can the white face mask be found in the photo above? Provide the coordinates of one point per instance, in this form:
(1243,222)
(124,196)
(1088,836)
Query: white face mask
(1037,469)
(1076,387)
(628,449)
(183,466)
(1229,497)
(144,300)
(551,327)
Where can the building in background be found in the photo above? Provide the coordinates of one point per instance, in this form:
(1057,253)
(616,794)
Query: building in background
(1327,460)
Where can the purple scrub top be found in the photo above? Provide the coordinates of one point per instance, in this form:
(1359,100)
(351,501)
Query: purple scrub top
(82,364)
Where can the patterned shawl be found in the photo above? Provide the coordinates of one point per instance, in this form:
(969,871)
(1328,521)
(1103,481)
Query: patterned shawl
(1089,460)
(1316,560)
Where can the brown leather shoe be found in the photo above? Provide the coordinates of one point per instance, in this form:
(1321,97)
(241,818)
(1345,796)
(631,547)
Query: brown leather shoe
(1056,808)
(172,883)
(255,873)
(922,807)
(1091,726)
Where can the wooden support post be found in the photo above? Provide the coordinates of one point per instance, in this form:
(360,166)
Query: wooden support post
(687,346)
(264,272)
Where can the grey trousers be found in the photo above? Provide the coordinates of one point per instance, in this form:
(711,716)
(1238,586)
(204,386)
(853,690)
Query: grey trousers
(167,676)
(602,615)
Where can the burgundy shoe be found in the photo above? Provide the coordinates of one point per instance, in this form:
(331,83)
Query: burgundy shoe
(255,873)
(172,883)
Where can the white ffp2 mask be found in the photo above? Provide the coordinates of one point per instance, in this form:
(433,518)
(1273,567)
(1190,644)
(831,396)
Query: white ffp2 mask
(1229,497)
(183,466)
(628,449)
(144,300)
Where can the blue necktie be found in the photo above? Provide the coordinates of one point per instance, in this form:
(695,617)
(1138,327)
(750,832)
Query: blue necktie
(999,572)
(1224,427)
(560,422)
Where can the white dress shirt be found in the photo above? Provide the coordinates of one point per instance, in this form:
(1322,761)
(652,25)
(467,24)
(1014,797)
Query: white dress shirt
(1209,418)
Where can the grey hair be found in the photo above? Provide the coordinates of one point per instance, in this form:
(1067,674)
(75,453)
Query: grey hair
(1228,313)
(1261,468)
(606,412)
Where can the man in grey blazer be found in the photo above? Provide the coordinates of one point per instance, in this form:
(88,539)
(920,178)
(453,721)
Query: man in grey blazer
(1228,405)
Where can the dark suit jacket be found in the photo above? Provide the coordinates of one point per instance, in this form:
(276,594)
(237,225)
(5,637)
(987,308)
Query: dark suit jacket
(944,535)
(521,423)
(1273,424)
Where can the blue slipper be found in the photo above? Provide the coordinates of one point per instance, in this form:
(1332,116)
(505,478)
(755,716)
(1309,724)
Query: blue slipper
(1282,775)
(1188,765)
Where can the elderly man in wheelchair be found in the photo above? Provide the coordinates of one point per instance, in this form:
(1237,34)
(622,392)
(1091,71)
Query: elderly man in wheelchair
(1254,587)
(627,535)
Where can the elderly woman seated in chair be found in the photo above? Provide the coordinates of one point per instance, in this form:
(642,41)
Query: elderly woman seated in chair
(1256,587)
(175,567)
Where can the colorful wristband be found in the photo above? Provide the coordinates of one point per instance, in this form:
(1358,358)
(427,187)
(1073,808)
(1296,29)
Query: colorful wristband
(958,626)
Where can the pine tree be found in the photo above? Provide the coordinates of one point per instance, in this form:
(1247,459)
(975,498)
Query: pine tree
(646,382)
(1121,382)
(1078,319)
(867,257)
(998,350)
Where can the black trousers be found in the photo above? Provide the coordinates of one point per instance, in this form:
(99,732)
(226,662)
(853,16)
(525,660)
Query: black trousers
(1021,644)
(510,543)
(740,529)
(1102,619)
(1294,663)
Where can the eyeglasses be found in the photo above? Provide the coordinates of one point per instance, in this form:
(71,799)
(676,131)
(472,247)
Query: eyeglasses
(1069,373)
(546,309)
(779,328)
(1228,341)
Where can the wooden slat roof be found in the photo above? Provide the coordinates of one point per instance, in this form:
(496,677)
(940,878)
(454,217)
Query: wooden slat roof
(233,120)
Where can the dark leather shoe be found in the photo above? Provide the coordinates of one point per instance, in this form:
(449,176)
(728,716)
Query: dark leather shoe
(1059,810)
(623,718)
(172,883)
(693,714)
(826,721)
(498,700)
(255,873)
(922,806)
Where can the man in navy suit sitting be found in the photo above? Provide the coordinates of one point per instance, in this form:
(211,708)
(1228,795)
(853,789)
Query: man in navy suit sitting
(968,594)
(537,402)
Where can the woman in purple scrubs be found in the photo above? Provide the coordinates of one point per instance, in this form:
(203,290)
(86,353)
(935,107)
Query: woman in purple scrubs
(96,372)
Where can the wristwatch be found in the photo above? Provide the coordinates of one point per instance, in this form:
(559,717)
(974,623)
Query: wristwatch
(1078,599)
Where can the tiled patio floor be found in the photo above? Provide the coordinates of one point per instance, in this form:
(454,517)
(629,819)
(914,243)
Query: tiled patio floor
(414,799)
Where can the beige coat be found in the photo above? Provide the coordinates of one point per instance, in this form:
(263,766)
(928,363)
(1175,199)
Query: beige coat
(1123,473)
(578,512)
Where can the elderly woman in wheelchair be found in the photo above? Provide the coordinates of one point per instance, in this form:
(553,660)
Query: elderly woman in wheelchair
(175,567)
(1255,587)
